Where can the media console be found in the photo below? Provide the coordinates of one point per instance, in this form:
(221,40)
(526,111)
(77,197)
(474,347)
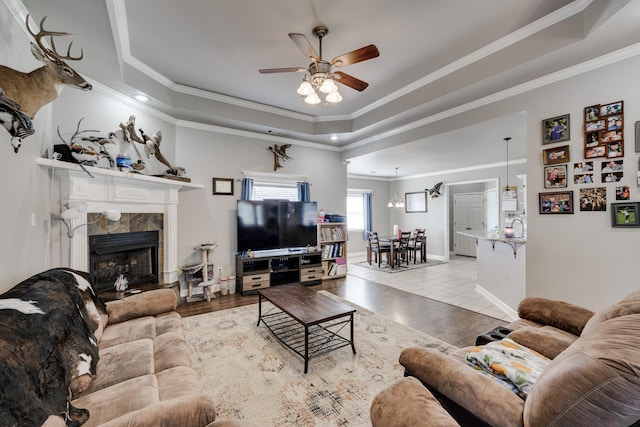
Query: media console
(277,268)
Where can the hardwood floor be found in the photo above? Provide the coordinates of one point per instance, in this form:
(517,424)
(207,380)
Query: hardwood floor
(449,323)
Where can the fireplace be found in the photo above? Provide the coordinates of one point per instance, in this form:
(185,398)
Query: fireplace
(134,254)
(147,203)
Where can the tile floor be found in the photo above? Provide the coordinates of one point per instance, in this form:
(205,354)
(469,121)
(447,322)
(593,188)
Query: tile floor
(453,282)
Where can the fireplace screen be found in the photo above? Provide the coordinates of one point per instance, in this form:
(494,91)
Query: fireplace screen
(133,254)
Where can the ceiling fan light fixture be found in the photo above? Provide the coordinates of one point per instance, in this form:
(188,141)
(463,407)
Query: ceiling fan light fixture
(312,99)
(305,88)
(328,86)
(334,96)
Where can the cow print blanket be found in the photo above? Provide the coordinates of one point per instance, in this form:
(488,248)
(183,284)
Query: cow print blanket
(47,340)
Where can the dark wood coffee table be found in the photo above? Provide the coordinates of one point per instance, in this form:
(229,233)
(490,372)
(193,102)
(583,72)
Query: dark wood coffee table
(309,322)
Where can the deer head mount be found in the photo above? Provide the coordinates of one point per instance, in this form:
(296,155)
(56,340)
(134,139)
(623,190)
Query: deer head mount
(31,91)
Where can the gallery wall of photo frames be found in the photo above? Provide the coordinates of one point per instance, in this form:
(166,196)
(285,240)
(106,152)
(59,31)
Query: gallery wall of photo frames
(601,163)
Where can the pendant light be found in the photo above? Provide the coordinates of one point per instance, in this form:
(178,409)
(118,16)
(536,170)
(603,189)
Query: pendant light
(395,202)
(507,193)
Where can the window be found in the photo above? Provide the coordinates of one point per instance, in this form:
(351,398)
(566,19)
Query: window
(358,209)
(275,190)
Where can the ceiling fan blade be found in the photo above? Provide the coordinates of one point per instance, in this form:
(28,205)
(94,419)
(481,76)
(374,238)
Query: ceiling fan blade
(282,70)
(350,81)
(355,56)
(303,44)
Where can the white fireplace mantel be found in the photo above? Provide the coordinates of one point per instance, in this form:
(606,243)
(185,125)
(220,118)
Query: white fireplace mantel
(126,192)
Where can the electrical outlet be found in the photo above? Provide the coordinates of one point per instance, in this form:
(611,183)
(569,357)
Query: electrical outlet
(33,219)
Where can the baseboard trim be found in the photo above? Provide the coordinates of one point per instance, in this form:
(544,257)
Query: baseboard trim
(497,302)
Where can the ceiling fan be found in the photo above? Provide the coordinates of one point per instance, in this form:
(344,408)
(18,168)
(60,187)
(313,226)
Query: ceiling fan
(320,73)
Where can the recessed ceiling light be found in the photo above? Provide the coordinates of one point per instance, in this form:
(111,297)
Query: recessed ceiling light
(141,97)
(334,137)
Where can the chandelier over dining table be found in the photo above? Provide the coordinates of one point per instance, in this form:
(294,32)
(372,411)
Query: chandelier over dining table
(396,202)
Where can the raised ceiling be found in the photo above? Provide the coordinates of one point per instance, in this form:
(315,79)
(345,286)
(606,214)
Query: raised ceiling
(198,60)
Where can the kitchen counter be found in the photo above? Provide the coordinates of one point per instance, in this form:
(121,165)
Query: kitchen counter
(514,242)
(501,269)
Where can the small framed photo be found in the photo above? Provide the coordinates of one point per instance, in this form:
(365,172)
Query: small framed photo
(614,149)
(611,166)
(583,167)
(560,202)
(555,129)
(415,202)
(611,135)
(614,122)
(591,139)
(608,178)
(596,125)
(552,156)
(592,113)
(555,176)
(613,108)
(625,214)
(593,199)
(223,186)
(597,151)
(622,192)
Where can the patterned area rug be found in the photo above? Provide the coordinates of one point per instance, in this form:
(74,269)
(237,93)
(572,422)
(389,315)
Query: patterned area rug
(400,269)
(252,376)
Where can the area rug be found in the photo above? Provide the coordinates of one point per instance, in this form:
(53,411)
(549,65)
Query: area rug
(250,375)
(398,269)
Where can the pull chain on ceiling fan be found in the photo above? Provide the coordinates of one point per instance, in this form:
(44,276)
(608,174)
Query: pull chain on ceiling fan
(320,74)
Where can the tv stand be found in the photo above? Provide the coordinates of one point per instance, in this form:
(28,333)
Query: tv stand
(277,267)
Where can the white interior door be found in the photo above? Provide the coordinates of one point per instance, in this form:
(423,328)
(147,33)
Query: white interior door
(492,206)
(469,216)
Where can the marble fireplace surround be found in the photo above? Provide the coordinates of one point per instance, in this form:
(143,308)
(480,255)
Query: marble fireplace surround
(127,192)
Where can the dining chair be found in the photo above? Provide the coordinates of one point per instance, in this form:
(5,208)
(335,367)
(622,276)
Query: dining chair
(418,244)
(375,248)
(402,250)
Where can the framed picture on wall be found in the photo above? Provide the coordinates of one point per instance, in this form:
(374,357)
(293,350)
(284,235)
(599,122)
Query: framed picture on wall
(223,186)
(555,129)
(593,199)
(415,202)
(555,176)
(625,214)
(552,156)
(560,202)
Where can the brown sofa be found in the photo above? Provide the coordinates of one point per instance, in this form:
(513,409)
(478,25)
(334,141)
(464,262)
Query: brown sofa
(125,363)
(593,379)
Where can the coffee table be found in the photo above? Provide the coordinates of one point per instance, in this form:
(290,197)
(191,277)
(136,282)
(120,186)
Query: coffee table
(307,321)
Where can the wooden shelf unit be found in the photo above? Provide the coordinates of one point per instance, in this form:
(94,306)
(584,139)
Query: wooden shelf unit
(277,268)
(332,239)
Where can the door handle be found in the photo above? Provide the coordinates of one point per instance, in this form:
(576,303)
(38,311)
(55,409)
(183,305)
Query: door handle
(468,228)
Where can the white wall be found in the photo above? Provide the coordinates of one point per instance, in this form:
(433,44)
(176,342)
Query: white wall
(27,190)
(204,217)
(578,258)
(23,185)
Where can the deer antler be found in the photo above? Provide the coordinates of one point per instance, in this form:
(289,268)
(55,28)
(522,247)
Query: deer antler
(52,52)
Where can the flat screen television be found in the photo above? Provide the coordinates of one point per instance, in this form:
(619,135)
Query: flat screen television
(276,224)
